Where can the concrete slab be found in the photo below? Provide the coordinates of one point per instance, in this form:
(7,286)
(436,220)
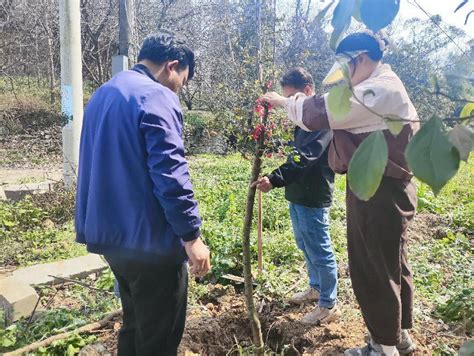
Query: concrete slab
(71,268)
(17,192)
(17,299)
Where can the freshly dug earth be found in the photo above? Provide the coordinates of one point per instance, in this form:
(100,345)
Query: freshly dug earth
(221,328)
(219,325)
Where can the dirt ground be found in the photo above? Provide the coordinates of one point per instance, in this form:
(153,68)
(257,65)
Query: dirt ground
(221,328)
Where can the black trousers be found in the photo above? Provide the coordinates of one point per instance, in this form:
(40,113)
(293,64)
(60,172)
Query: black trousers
(154,299)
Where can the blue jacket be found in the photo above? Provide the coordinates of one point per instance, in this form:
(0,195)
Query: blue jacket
(134,194)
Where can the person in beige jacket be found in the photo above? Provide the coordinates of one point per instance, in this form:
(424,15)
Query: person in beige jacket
(376,229)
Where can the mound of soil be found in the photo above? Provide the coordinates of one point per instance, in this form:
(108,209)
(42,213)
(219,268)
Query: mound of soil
(223,329)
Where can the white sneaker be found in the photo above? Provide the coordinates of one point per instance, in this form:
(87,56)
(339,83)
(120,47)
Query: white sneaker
(320,316)
(309,295)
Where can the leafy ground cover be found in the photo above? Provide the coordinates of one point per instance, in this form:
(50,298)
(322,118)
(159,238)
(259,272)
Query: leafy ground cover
(39,229)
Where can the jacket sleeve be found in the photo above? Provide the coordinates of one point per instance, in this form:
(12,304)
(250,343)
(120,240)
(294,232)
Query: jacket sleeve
(161,128)
(299,162)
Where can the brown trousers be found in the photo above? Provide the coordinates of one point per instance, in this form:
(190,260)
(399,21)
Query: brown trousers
(377,247)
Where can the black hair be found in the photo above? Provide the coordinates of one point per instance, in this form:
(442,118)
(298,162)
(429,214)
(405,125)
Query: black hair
(361,41)
(164,46)
(297,78)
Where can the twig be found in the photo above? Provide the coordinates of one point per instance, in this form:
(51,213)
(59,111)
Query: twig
(439,92)
(82,284)
(293,287)
(30,319)
(84,329)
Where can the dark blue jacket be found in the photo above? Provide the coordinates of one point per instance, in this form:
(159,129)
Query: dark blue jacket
(134,194)
(306,176)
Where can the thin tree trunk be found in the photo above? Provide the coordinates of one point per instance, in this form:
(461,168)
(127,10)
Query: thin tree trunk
(248,280)
(256,169)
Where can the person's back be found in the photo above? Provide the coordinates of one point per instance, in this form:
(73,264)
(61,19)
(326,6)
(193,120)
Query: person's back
(135,203)
(117,210)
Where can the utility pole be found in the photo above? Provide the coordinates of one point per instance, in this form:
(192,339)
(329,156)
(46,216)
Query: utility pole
(71,85)
(126,36)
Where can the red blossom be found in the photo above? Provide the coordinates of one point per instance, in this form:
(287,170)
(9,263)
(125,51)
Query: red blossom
(260,108)
(257,131)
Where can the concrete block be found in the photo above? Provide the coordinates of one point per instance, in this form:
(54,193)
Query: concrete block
(16,298)
(17,192)
(72,268)
(2,194)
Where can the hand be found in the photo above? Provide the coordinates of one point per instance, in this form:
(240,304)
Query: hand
(199,258)
(275,99)
(263,184)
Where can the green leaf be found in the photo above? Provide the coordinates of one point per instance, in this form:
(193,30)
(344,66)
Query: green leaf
(394,124)
(431,156)
(341,17)
(367,166)
(339,102)
(356,11)
(341,20)
(345,72)
(462,137)
(378,14)
(322,14)
(336,37)
(467,110)
(435,83)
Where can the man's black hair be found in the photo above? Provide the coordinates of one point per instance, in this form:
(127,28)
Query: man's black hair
(164,46)
(361,41)
(297,78)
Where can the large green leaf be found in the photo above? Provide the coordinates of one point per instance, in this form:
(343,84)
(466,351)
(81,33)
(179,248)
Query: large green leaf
(341,20)
(336,36)
(462,137)
(394,124)
(378,14)
(356,11)
(322,14)
(467,110)
(341,17)
(339,102)
(431,156)
(368,165)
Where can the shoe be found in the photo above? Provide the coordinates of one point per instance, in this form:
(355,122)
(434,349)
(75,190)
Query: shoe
(309,295)
(320,316)
(370,349)
(406,345)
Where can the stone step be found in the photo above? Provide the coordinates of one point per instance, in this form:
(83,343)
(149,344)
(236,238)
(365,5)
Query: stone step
(17,299)
(17,295)
(16,192)
(72,268)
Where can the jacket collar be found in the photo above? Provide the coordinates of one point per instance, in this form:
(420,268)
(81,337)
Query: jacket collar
(143,69)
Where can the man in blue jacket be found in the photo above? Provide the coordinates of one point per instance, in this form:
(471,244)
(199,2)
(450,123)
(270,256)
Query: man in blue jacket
(135,202)
(308,183)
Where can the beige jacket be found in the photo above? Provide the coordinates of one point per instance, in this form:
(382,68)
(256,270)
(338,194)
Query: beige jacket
(391,98)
